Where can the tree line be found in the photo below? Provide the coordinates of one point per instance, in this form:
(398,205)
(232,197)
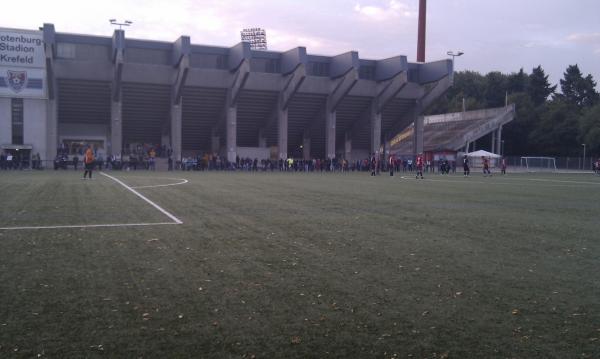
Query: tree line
(547,122)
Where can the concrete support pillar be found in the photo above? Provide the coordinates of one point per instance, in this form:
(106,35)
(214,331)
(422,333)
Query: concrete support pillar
(330,134)
(52,129)
(262,139)
(386,152)
(375,130)
(116,128)
(6,123)
(493,147)
(348,146)
(282,133)
(176,132)
(418,135)
(165,139)
(499,142)
(231,124)
(306,146)
(215,144)
(474,145)
(467,147)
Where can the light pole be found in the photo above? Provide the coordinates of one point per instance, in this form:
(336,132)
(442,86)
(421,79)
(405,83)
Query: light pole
(502,149)
(453,54)
(120,24)
(583,165)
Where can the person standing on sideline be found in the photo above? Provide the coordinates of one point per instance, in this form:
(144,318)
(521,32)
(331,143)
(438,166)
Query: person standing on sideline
(466,169)
(420,163)
(75,162)
(392,164)
(373,165)
(152,159)
(503,165)
(486,166)
(88,162)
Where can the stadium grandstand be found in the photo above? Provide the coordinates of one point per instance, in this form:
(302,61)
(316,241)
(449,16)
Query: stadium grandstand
(117,92)
(447,134)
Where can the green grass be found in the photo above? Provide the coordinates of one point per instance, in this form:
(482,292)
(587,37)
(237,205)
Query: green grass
(301,266)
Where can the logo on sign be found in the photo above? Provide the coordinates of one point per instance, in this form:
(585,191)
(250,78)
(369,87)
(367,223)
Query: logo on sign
(17,80)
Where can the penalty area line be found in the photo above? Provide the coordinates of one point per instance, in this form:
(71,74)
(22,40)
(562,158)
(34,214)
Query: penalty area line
(175,219)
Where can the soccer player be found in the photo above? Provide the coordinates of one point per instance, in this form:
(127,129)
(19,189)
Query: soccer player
(420,164)
(373,165)
(486,166)
(466,169)
(503,165)
(88,161)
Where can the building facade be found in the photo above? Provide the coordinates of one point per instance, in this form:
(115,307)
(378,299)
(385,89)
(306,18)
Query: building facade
(58,89)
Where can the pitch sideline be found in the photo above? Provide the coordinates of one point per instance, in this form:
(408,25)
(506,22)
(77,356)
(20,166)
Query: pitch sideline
(560,183)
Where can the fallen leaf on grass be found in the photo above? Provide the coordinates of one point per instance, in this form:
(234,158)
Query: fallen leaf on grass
(296,339)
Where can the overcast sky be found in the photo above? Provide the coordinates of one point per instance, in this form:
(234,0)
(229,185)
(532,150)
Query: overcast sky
(502,35)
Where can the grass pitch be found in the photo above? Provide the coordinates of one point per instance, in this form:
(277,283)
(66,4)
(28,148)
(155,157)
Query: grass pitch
(300,266)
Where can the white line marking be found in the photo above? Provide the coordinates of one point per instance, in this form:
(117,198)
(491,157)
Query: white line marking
(175,219)
(183,181)
(559,181)
(92,225)
(491,182)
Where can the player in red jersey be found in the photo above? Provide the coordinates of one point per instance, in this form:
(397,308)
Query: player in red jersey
(420,163)
(486,166)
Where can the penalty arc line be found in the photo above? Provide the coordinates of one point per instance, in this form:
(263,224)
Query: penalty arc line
(175,219)
(183,181)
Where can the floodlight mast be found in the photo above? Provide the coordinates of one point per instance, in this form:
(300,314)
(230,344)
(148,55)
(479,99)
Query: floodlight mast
(257,37)
(453,54)
(114,22)
(422,30)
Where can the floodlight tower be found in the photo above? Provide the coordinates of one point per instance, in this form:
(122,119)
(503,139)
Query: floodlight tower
(422,30)
(257,37)
(114,22)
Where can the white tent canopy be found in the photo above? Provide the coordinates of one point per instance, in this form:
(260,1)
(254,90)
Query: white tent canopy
(483,153)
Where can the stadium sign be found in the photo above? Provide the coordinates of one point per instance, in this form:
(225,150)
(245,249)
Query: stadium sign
(22,64)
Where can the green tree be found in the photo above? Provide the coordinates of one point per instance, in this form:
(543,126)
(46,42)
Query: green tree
(517,82)
(469,85)
(556,133)
(516,134)
(495,89)
(589,130)
(539,88)
(579,90)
